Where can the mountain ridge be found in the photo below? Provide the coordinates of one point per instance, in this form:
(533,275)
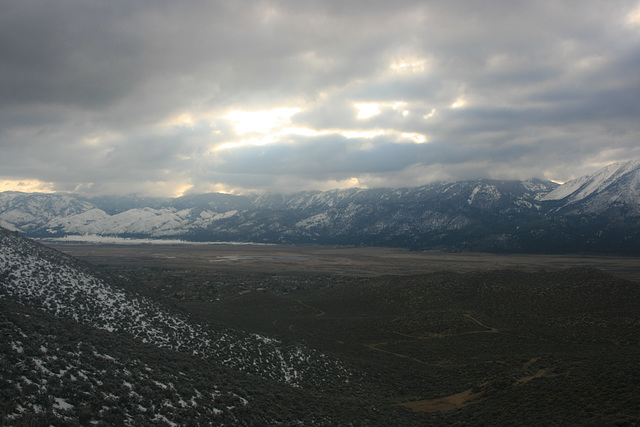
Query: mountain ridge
(594,213)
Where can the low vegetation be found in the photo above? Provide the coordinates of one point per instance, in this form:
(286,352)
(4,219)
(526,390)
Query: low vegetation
(493,347)
(498,347)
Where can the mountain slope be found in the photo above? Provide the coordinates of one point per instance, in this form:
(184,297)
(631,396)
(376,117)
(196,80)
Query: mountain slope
(597,182)
(398,217)
(610,189)
(45,279)
(596,213)
(28,213)
(79,349)
(55,371)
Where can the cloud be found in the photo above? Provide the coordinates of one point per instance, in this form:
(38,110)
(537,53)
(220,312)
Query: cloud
(159,97)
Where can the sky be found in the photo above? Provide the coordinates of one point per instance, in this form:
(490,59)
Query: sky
(165,98)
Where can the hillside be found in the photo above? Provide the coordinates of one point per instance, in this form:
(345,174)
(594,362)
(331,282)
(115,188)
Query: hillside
(79,347)
(147,345)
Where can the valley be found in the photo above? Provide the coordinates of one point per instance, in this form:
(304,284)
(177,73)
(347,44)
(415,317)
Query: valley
(337,260)
(443,338)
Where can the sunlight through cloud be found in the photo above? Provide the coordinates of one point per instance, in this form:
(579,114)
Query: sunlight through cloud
(459,103)
(430,114)
(633,17)
(401,106)
(26,186)
(181,190)
(267,139)
(260,121)
(409,65)
(366,134)
(181,120)
(367,110)
(415,137)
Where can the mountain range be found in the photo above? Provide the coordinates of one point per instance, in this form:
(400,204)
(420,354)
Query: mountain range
(598,213)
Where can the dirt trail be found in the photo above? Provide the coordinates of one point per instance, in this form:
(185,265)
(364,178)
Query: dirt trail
(376,346)
(542,373)
(404,356)
(526,365)
(433,335)
(467,397)
(446,403)
(320,312)
(490,329)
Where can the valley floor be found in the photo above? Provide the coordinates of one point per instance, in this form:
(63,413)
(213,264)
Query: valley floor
(455,339)
(341,260)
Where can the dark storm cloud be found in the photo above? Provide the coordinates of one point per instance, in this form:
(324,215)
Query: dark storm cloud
(124,96)
(335,157)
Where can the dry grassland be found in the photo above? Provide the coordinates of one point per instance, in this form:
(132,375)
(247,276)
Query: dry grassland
(347,261)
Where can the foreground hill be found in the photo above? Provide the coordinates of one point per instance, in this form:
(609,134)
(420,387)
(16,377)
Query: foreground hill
(596,213)
(48,280)
(78,348)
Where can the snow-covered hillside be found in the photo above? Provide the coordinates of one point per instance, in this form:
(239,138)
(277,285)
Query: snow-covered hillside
(300,217)
(69,376)
(30,212)
(45,279)
(150,222)
(597,182)
(612,187)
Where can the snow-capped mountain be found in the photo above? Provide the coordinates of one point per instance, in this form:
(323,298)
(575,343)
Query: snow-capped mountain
(28,213)
(306,216)
(612,187)
(487,215)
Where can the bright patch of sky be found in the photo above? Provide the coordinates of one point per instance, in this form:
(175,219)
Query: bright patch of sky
(459,103)
(634,16)
(409,65)
(368,110)
(27,186)
(415,137)
(273,126)
(260,121)
(365,134)
(430,114)
(183,119)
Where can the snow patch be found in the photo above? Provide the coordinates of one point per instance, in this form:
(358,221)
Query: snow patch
(61,404)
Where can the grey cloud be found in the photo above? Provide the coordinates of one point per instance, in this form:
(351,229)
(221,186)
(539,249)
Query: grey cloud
(552,86)
(335,156)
